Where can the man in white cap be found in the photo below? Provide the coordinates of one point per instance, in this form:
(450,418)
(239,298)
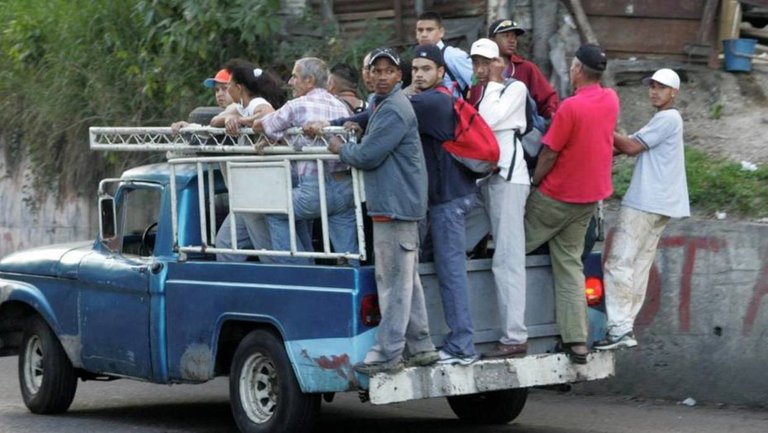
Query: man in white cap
(658,191)
(503,195)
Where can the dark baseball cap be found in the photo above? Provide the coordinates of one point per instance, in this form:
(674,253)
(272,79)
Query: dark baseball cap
(592,56)
(387,53)
(430,52)
(504,25)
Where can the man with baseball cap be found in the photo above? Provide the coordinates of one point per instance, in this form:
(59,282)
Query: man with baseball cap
(572,174)
(505,33)
(658,191)
(503,195)
(395,174)
(451,193)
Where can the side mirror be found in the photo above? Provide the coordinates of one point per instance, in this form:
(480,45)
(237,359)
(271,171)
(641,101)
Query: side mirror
(107,215)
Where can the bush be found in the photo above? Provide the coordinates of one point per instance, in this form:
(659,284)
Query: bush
(66,65)
(714,184)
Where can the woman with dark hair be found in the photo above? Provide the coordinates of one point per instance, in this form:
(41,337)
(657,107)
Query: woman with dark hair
(256,93)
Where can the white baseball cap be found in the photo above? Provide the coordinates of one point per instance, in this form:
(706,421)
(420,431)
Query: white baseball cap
(484,48)
(664,76)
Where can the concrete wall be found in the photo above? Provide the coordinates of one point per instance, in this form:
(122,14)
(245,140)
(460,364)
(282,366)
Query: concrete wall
(22,226)
(703,330)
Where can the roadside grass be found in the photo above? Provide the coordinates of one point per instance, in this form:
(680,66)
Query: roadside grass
(714,185)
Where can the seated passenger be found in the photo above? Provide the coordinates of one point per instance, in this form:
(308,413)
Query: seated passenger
(311,103)
(255,93)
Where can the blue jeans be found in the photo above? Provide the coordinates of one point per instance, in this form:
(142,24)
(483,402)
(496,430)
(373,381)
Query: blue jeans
(447,222)
(342,229)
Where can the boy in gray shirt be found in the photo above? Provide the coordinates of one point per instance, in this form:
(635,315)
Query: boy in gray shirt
(658,191)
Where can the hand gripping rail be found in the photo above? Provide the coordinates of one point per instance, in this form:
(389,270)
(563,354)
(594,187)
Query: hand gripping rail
(257,171)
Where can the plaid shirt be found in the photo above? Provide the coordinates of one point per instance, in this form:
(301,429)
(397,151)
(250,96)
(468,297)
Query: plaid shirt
(316,105)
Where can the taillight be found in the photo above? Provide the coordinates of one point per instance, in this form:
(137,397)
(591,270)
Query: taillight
(593,289)
(369,310)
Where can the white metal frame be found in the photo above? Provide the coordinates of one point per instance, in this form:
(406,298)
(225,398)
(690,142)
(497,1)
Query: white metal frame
(254,155)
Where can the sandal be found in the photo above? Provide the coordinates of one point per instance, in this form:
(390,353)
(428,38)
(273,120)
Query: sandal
(576,352)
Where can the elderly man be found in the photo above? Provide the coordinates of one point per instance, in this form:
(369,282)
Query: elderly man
(572,174)
(312,103)
(658,191)
(502,105)
(505,33)
(396,186)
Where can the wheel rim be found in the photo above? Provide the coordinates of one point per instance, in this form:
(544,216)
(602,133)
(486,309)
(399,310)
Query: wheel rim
(33,365)
(259,388)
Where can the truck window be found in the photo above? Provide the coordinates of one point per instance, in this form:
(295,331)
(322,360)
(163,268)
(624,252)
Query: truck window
(138,216)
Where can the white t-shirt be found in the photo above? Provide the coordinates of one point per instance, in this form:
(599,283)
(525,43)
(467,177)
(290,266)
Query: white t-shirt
(251,108)
(504,113)
(659,184)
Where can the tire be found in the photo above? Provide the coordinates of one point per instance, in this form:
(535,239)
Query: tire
(274,403)
(47,379)
(493,407)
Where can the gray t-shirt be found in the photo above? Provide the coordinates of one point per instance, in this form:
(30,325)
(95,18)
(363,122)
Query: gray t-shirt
(658,183)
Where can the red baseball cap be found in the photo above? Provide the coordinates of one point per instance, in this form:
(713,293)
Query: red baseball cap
(222,76)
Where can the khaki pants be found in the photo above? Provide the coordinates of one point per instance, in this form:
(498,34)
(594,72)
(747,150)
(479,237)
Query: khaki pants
(628,266)
(563,226)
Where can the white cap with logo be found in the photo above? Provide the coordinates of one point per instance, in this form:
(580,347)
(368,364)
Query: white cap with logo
(664,76)
(484,48)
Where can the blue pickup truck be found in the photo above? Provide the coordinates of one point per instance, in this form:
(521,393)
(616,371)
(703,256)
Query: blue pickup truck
(148,301)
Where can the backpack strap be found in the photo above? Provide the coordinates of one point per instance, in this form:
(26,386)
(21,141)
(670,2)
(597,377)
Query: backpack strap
(528,108)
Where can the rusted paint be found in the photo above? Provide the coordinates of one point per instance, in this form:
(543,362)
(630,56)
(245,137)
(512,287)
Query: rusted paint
(337,363)
(197,363)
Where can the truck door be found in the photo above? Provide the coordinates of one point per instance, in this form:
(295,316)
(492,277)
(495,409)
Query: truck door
(115,298)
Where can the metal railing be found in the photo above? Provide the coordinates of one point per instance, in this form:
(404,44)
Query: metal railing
(257,171)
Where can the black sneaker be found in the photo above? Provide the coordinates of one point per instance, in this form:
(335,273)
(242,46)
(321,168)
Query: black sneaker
(379,367)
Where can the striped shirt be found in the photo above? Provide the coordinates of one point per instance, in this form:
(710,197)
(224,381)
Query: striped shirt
(318,104)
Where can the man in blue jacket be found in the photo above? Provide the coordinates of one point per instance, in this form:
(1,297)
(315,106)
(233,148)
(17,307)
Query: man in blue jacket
(396,188)
(452,190)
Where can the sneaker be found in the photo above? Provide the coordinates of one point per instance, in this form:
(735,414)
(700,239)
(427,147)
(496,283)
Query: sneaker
(610,343)
(501,350)
(379,367)
(446,358)
(423,359)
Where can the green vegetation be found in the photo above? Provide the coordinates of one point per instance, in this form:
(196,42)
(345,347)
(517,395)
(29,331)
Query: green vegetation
(714,184)
(66,65)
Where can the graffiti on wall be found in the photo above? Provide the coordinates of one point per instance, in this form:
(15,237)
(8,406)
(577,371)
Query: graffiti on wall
(692,247)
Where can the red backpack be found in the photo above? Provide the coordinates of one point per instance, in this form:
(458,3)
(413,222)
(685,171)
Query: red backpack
(474,143)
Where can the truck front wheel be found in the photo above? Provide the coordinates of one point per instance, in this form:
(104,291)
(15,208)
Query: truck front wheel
(48,380)
(263,390)
(493,407)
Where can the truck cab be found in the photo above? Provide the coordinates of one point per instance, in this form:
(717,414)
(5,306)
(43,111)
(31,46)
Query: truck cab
(147,299)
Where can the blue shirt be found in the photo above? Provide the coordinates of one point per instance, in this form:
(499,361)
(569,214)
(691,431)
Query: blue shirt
(459,63)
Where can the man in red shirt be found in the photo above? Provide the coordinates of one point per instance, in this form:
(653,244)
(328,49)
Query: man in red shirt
(572,174)
(505,32)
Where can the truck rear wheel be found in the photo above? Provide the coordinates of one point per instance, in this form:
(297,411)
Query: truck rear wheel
(493,407)
(46,376)
(263,391)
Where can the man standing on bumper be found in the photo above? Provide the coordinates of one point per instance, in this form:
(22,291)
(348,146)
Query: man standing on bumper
(452,193)
(572,174)
(658,191)
(396,187)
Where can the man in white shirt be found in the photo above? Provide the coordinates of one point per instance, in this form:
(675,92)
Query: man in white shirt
(657,192)
(503,196)
(458,68)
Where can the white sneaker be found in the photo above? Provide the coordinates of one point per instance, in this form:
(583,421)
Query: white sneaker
(609,342)
(450,359)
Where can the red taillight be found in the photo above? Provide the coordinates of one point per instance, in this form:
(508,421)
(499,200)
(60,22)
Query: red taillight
(369,310)
(593,289)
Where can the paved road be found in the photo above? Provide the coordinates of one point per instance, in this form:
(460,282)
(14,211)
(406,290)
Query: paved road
(126,406)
